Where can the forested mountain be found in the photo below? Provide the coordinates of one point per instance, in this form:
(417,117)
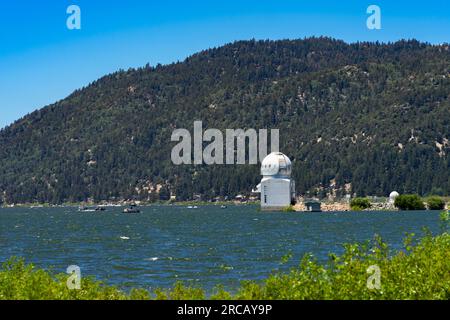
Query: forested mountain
(365,118)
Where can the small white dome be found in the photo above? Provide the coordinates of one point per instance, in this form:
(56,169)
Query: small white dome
(393,195)
(276,163)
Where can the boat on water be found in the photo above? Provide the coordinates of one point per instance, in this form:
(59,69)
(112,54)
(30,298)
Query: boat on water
(223,207)
(91,209)
(131,209)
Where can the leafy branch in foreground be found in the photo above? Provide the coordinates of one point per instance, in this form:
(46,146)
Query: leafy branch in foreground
(19,281)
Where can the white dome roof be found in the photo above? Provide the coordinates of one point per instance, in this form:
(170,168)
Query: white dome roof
(394,194)
(276,163)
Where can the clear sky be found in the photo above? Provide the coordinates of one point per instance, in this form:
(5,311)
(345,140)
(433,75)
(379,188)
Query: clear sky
(42,61)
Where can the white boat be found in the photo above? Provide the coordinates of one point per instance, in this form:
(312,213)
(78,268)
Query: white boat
(131,209)
(91,209)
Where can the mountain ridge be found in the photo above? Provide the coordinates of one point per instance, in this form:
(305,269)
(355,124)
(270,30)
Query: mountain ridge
(363,118)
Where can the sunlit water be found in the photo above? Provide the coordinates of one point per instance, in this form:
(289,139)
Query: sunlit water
(204,246)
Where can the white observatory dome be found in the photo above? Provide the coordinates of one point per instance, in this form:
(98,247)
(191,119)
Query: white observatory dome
(393,195)
(276,163)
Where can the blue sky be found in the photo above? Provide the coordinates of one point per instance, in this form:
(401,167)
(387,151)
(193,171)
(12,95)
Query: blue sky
(41,61)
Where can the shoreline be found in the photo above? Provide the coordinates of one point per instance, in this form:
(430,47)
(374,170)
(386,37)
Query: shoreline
(326,206)
(128,203)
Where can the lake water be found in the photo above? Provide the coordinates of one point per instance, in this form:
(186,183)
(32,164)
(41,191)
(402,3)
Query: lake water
(204,246)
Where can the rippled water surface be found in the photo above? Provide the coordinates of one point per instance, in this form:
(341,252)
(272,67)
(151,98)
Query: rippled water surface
(207,245)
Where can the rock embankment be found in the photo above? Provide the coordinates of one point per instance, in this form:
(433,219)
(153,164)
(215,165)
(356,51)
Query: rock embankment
(334,206)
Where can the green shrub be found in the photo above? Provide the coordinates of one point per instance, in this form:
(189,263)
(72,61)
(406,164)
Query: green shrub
(435,203)
(420,271)
(359,204)
(19,281)
(180,292)
(288,209)
(409,202)
(444,218)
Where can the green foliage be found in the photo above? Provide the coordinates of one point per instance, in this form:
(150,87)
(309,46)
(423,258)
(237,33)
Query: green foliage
(180,292)
(23,282)
(286,258)
(289,208)
(435,203)
(359,204)
(368,114)
(409,202)
(445,221)
(420,271)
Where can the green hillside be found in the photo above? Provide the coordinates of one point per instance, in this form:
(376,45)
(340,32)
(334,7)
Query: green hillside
(368,117)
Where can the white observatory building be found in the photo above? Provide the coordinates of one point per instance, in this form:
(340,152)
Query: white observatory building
(277,188)
(392,196)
